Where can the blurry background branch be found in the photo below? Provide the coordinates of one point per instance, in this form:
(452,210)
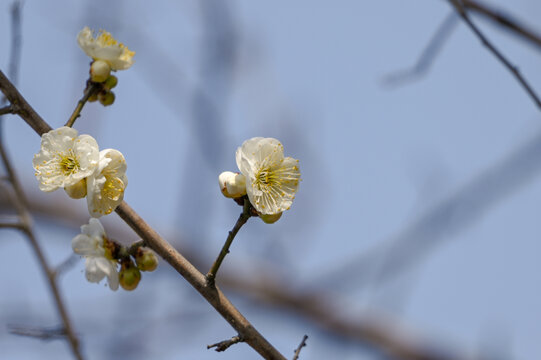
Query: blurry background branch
(23,219)
(427,57)
(465,206)
(461,10)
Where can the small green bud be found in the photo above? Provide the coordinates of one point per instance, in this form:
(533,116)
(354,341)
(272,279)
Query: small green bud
(106,98)
(99,71)
(111,82)
(270,218)
(146,259)
(129,276)
(93,98)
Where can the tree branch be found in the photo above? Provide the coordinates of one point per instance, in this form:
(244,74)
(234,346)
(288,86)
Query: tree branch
(460,9)
(499,18)
(212,294)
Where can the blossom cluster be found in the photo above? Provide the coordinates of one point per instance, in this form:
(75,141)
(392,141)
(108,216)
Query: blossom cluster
(269,179)
(73,162)
(103,256)
(107,55)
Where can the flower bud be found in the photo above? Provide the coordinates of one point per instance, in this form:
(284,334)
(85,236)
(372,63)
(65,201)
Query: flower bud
(111,82)
(232,185)
(93,98)
(106,98)
(146,259)
(99,71)
(129,276)
(77,190)
(270,218)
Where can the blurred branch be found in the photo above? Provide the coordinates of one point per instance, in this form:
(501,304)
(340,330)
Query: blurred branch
(24,223)
(506,21)
(436,43)
(428,55)
(443,220)
(39,333)
(461,10)
(212,294)
(299,348)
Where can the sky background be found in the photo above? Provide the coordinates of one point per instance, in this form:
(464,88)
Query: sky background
(445,165)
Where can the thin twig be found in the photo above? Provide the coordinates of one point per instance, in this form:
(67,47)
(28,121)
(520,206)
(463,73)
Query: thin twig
(243,218)
(91,89)
(7,110)
(502,19)
(224,345)
(299,348)
(459,6)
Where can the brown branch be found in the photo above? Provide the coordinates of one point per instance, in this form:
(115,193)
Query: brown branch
(299,348)
(499,18)
(314,307)
(7,110)
(461,10)
(212,294)
(21,107)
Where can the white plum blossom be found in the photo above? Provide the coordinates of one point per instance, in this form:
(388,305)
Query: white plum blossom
(92,244)
(108,54)
(233,185)
(105,188)
(271,179)
(105,48)
(64,158)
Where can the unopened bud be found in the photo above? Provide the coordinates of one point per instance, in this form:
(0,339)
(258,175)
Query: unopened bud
(270,218)
(99,71)
(78,190)
(111,82)
(146,259)
(232,185)
(106,98)
(129,276)
(93,97)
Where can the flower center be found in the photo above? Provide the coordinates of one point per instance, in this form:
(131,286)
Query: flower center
(113,188)
(266,178)
(69,164)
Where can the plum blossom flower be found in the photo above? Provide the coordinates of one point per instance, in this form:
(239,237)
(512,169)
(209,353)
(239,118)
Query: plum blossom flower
(105,48)
(64,158)
(271,179)
(105,188)
(93,244)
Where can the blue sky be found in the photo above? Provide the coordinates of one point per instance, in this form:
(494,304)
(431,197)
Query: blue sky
(373,159)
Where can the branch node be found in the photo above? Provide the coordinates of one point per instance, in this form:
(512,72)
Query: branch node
(299,348)
(224,345)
